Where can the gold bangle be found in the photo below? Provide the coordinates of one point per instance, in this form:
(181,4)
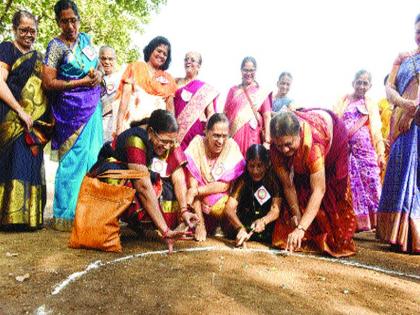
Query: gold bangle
(67,84)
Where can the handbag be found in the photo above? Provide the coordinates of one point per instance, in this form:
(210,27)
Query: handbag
(98,208)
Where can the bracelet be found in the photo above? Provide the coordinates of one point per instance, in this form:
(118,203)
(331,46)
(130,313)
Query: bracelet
(67,84)
(300,227)
(183,210)
(165,233)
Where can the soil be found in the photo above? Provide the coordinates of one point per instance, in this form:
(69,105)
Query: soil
(224,281)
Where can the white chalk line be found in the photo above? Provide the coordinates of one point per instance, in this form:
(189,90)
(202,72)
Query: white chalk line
(98,264)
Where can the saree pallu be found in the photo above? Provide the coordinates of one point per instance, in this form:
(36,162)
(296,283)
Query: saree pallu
(332,230)
(364,171)
(245,128)
(399,207)
(78,132)
(22,179)
(133,146)
(148,92)
(190,104)
(229,165)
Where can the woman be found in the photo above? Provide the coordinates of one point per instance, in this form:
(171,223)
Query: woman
(309,153)
(146,86)
(248,109)
(280,100)
(399,207)
(361,118)
(254,203)
(160,198)
(24,123)
(195,101)
(213,162)
(69,72)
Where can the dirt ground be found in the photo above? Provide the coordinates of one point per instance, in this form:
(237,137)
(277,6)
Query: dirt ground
(222,281)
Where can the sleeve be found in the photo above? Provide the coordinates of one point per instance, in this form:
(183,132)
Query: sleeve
(126,78)
(54,55)
(237,188)
(136,150)
(175,160)
(6,55)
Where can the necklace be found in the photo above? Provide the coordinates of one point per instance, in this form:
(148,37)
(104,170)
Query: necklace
(72,47)
(20,48)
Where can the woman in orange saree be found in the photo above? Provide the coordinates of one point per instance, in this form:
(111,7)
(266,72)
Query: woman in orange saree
(309,152)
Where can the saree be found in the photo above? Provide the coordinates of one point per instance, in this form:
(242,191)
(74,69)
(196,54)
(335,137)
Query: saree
(365,144)
(245,127)
(229,165)
(148,92)
(190,103)
(78,130)
(133,146)
(332,230)
(399,207)
(22,178)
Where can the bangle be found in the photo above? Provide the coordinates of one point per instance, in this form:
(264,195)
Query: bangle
(183,210)
(67,84)
(300,227)
(165,233)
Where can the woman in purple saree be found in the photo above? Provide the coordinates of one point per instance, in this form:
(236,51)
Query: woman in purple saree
(399,207)
(69,69)
(195,101)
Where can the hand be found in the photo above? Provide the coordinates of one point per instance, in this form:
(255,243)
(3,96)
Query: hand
(191,194)
(171,237)
(294,240)
(200,232)
(381,161)
(242,237)
(295,220)
(266,145)
(26,119)
(405,122)
(190,219)
(92,79)
(258,225)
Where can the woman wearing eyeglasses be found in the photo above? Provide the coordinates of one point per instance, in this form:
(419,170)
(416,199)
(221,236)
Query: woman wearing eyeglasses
(214,161)
(195,101)
(24,125)
(248,108)
(146,86)
(150,145)
(70,74)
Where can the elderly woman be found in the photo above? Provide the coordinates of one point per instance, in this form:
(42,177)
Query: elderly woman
(399,207)
(309,153)
(195,101)
(254,203)
(24,119)
(213,162)
(248,108)
(69,72)
(146,86)
(161,197)
(280,100)
(367,150)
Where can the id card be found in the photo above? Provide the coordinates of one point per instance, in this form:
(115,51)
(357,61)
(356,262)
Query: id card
(253,123)
(217,171)
(262,195)
(89,52)
(185,95)
(159,166)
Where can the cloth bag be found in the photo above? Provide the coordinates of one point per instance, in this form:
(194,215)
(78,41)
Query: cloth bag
(99,206)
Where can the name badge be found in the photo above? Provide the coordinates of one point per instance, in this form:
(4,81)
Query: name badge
(162,80)
(159,166)
(262,195)
(186,95)
(89,52)
(110,88)
(253,123)
(217,171)
(362,109)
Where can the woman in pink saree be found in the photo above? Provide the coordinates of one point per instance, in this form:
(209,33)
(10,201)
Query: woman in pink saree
(248,108)
(195,101)
(214,161)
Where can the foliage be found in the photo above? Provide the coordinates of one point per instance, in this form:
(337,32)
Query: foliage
(110,22)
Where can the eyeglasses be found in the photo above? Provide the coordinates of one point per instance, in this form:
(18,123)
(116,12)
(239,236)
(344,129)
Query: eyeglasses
(26,31)
(190,59)
(248,70)
(107,58)
(165,142)
(72,21)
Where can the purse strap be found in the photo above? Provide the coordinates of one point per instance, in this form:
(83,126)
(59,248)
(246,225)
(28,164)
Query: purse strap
(123,174)
(250,103)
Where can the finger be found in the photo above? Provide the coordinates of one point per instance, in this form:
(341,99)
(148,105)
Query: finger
(299,242)
(170,246)
(249,235)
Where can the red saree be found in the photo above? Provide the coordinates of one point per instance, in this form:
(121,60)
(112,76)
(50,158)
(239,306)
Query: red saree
(334,225)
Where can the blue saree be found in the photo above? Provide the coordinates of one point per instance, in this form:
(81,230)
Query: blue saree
(78,133)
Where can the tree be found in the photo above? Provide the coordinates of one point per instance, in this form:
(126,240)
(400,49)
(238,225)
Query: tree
(110,22)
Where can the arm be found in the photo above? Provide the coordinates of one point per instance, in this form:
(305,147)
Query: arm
(271,216)
(170,104)
(50,81)
(395,98)
(212,188)
(289,192)
(200,230)
(267,118)
(230,210)
(210,109)
(7,96)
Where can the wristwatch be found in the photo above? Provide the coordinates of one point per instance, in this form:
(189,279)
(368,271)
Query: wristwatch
(300,227)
